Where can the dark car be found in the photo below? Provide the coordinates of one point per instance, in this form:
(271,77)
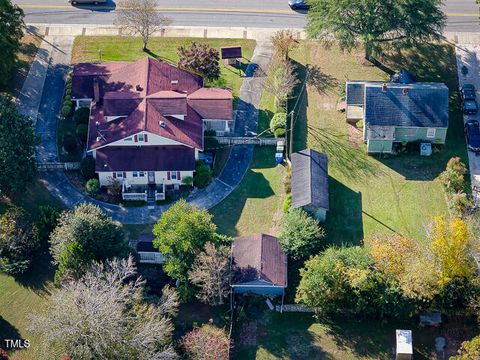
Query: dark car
(298,4)
(467,92)
(95,2)
(472,133)
(469,107)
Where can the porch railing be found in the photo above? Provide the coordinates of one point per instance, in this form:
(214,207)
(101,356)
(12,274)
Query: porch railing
(140,196)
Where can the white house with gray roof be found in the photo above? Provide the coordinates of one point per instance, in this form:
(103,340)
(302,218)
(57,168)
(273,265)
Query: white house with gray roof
(397,112)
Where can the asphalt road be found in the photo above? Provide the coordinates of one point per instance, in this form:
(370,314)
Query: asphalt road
(463,15)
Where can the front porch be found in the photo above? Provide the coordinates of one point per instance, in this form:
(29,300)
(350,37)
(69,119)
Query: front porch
(151,192)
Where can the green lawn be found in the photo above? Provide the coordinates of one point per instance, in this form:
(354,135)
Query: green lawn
(299,336)
(372,193)
(256,205)
(113,48)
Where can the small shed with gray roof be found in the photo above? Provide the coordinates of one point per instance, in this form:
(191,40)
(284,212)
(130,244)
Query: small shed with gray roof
(398,112)
(310,182)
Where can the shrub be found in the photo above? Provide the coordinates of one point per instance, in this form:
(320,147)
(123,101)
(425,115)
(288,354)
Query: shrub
(206,343)
(453,178)
(46,221)
(210,143)
(82,131)
(287,182)
(200,59)
(67,99)
(279,120)
(70,143)
(278,133)
(92,187)
(360,124)
(87,167)
(209,133)
(187,180)
(287,203)
(203,175)
(115,188)
(68,91)
(460,203)
(67,109)
(82,115)
(300,235)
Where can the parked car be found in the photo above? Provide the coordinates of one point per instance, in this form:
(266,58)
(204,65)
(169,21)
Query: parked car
(472,134)
(95,2)
(467,92)
(469,107)
(206,157)
(298,4)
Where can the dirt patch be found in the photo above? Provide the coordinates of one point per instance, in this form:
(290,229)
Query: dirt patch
(355,136)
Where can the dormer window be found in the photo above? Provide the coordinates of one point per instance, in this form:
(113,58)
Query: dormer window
(141,138)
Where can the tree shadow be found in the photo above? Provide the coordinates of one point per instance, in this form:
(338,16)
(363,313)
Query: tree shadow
(320,81)
(344,223)
(7,332)
(39,276)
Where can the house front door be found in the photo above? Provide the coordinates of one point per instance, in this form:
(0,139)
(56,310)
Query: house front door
(151,177)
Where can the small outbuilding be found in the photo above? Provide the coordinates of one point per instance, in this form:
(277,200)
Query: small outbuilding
(147,253)
(310,183)
(258,265)
(232,55)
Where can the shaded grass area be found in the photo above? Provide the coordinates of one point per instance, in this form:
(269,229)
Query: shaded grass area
(372,193)
(301,336)
(112,48)
(28,49)
(255,205)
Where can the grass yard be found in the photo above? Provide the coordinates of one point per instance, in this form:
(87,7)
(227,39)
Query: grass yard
(256,204)
(299,336)
(114,48)
(372,193)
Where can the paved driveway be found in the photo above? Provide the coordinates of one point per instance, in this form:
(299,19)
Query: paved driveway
(468,57)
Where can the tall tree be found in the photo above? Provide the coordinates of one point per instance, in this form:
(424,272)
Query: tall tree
(281,81)
(18,243)
(283,42)
(211,274)
(17,149)
(141,17)
(206,343)
(103,316)
(98,235)
(11,32)
(452,248)
(375,22)
(180,233)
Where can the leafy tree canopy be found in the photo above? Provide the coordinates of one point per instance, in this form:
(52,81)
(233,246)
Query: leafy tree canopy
(200,59)
(375,22)
(17,148)
(11,32)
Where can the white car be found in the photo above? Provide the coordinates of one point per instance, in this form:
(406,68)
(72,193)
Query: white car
(95,2)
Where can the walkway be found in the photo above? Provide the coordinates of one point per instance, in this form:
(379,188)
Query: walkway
(47,77)
(468,57)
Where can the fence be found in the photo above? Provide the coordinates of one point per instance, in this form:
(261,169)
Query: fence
(58,166)
(247,141)
(135,196)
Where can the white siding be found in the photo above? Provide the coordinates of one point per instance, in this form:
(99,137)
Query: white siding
(152,139)
(106,178)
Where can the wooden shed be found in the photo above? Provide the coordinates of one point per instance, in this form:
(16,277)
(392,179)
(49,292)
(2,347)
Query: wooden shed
(258,265)
(310,182)
(231,55)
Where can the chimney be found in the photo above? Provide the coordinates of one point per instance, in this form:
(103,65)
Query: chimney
(384,87)
(96,90)
(138,88)
(405,91)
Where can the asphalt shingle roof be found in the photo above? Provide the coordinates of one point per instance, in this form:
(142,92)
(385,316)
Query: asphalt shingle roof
(355,93)
(310,179)
(408,105)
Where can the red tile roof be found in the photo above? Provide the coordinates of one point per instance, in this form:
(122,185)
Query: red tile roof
(259,257)
(145,158)
(144,93)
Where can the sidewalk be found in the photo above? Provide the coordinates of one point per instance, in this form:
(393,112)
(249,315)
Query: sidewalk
(42,99)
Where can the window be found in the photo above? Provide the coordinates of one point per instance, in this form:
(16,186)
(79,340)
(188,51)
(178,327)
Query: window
(128,139)
(138,174)
(135,174)
(141,138)
(119,174)
(431,132)
(174,175)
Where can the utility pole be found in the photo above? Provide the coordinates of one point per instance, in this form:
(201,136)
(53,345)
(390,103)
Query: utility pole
(290,143)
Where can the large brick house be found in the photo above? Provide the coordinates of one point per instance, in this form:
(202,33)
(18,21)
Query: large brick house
(147,120)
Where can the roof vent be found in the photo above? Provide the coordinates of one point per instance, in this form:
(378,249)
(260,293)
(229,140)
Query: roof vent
(98,138)
(405,91)
(138,88)
(384,87)
(162,124)
(97,123)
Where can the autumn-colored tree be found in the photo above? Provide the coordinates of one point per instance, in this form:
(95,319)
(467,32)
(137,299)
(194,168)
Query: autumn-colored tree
(470,350)
(284,41)
(451,246)
(206,343)
(211,274)
(402,259)
(281,81)
(453,178)
(200,59)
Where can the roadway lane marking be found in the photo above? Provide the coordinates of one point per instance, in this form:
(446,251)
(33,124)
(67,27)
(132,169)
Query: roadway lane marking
(87,7)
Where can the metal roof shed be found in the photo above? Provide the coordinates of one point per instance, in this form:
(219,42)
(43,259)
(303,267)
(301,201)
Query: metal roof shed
(310,182)
(404,345)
